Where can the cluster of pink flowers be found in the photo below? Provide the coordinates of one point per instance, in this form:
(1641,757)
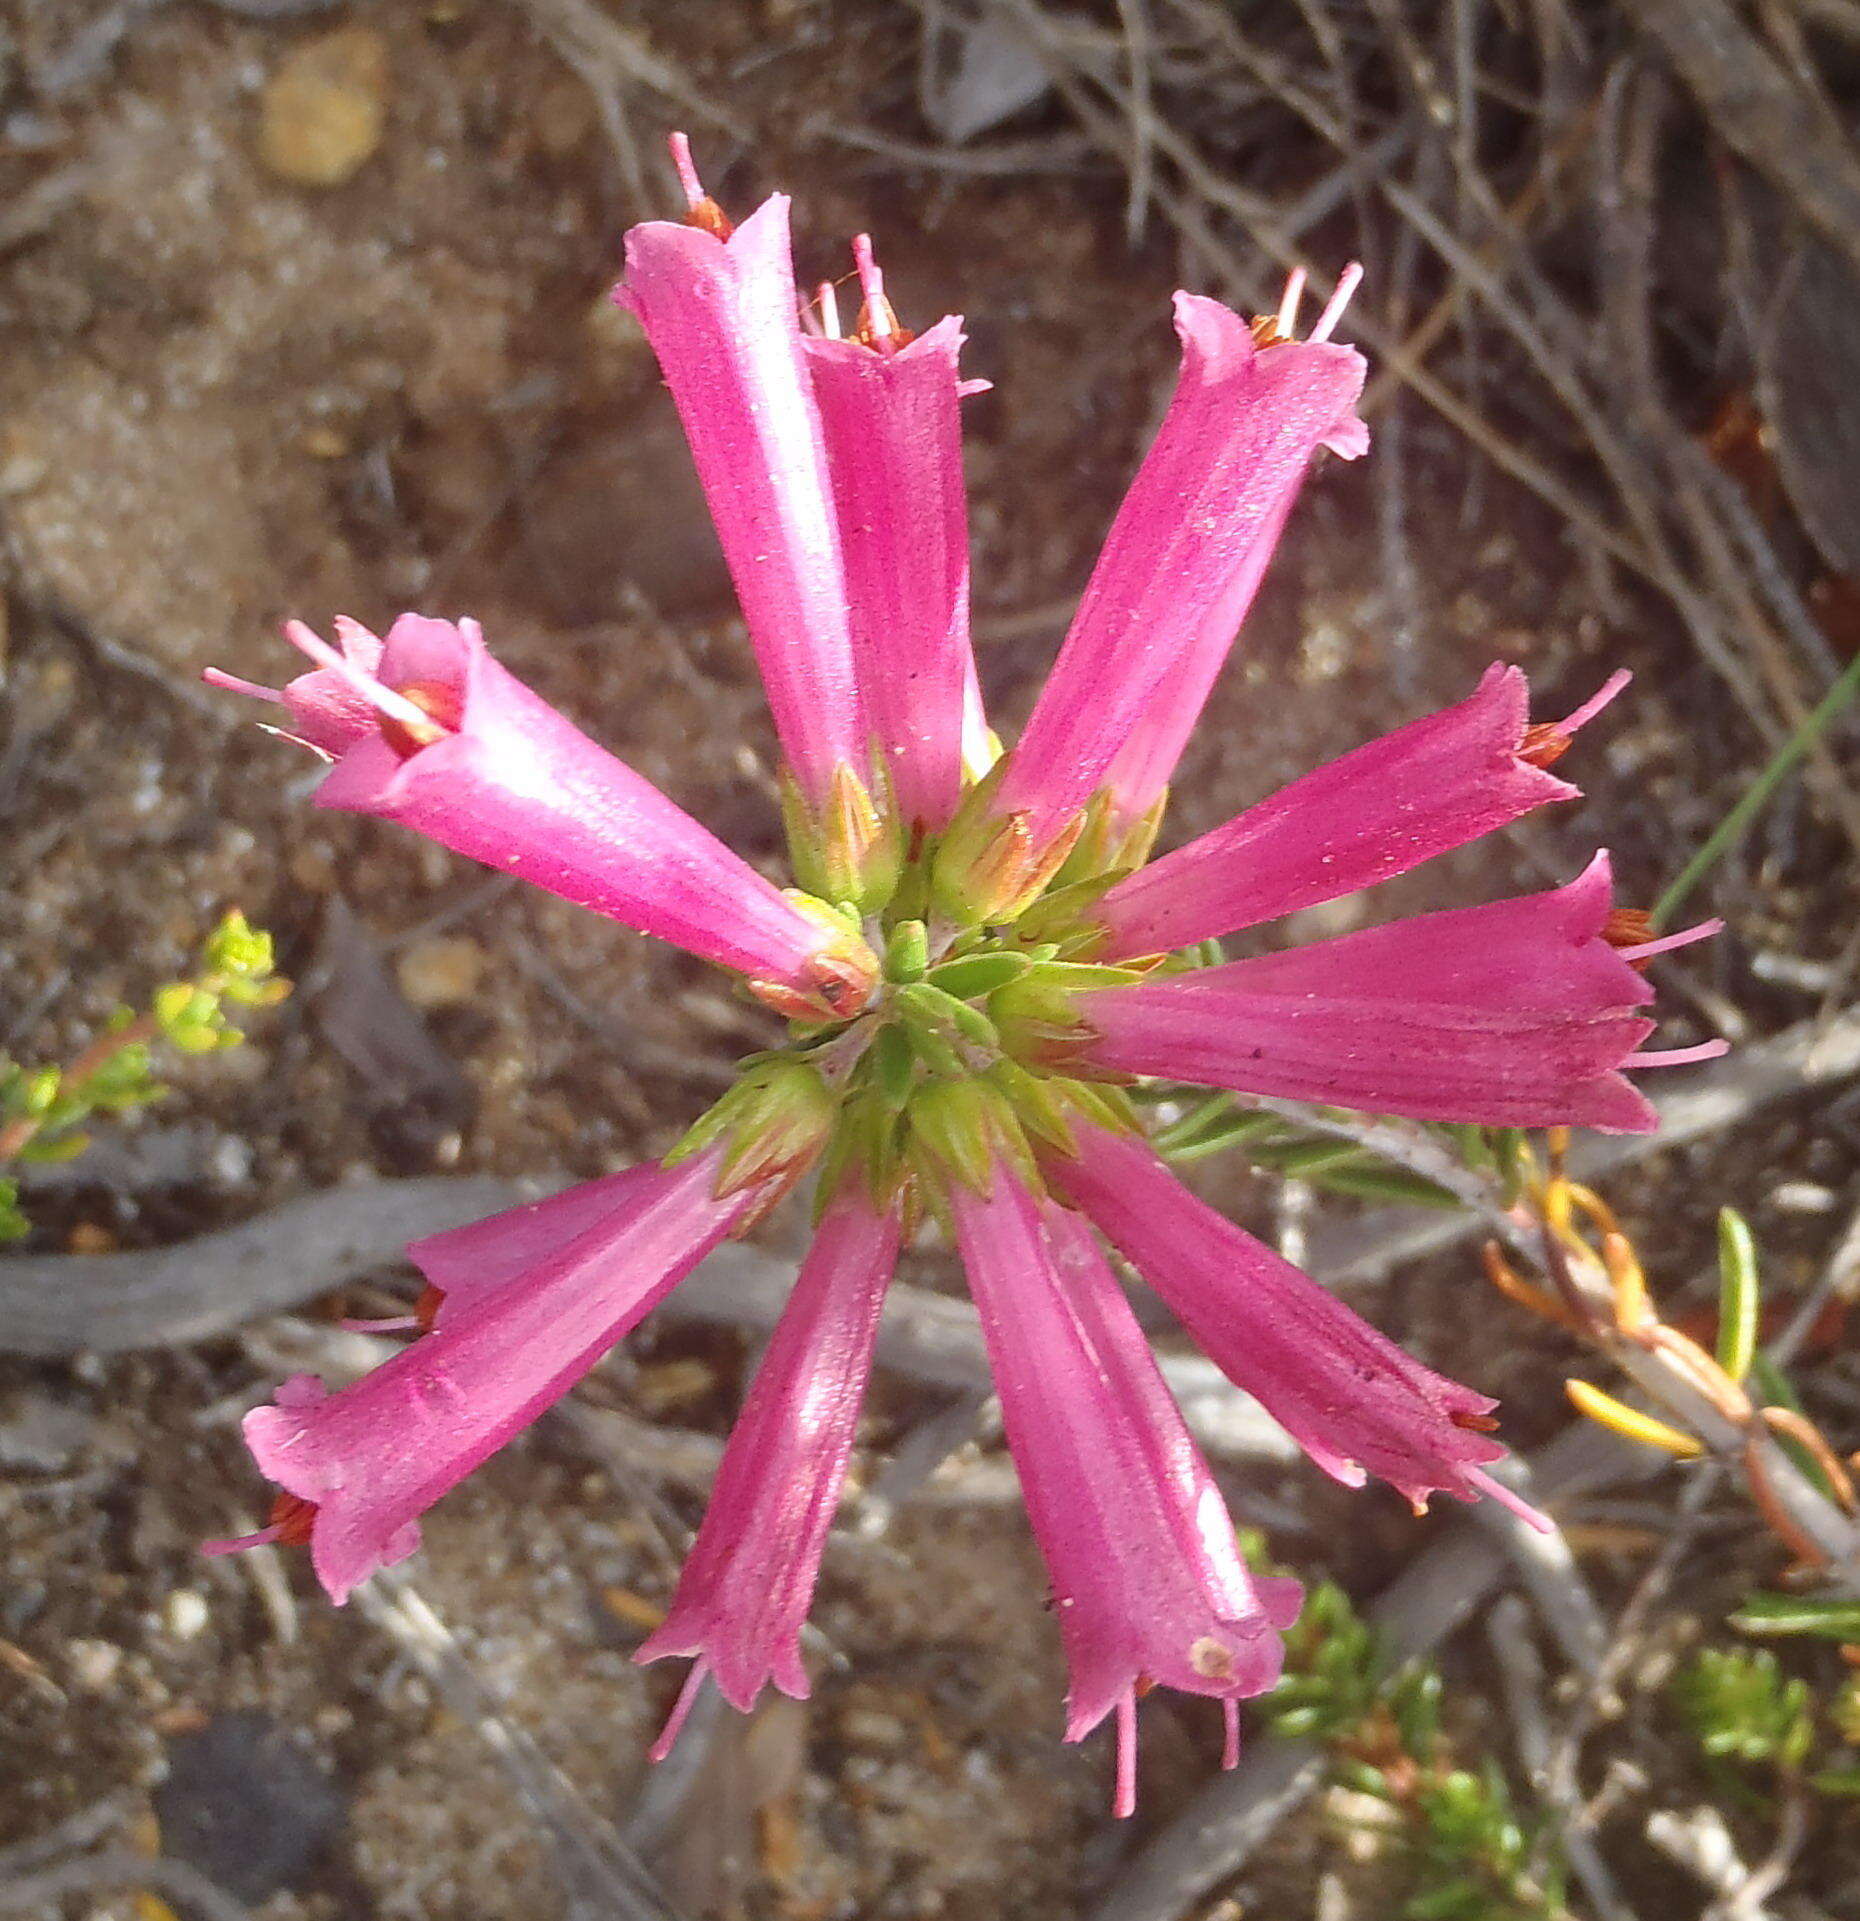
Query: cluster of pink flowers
(980,962)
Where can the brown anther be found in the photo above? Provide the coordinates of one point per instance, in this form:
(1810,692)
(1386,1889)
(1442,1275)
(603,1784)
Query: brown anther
(1474,1423)
(292,1516)
(710,218)
(426,1308)
(1628,927)
(1265,331)
(878,328)
(434,698)
(1544,744)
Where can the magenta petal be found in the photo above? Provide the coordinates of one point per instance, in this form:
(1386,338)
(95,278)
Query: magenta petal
(749,1579)
(1377,811)
(377,1455)
(894,449)
(468,1264)
(1514,1014)
(1147,1578)
(722,317)
(1347,1394)
(1181,563)
(520,788)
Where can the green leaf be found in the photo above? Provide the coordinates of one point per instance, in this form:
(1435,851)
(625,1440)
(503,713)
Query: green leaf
(1738,1294)
(14,1226)
(1742,1707)
(1825,1617)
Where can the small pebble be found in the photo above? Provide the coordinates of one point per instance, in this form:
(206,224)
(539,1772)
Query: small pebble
(324,110)
(184,1614)
(440,972)
(92,1665)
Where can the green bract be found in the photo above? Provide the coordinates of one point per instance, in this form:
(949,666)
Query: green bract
(968,1048)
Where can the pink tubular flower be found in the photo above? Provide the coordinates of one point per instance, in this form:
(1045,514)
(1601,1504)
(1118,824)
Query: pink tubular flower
(1182,561)
(441,739)
(1346,1394)
(749,1579)
(958,1069)
(721,313)
(1517,1013)
(1377,811)
(888,405)
(369,1461)
(1147,1578)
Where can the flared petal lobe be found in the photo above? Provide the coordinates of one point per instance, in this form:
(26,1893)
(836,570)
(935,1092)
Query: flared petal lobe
(749,1579)
(1428,787)
(510,782)
(1148,1581)
(1516,1013)
(1181,564)
(894,451)
(723,318)
(374,1457)
(1348,1395)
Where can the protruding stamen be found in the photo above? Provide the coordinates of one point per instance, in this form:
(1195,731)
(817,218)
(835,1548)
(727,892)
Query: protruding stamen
(238,1543)
(1490,1485)
(680,145)
(1230,1742)
(390,1324)
(700,209)
(410,717)
(291,1520)
(1645,950)
(1124,1795)
(1287,318)
(878,321)
(1678,1056)
(1596,702)
(1545,742)
(378,695)
(1347,283)
(828,303)
(681,1710)
(232,684)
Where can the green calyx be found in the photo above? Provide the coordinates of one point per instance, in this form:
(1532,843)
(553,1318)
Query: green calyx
(772,1124)
(971,1050)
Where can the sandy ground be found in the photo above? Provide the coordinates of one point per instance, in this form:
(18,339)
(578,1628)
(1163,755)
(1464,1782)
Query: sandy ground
(227,396)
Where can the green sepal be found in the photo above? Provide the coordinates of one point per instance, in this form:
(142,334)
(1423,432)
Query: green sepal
(935,1052)
(893,1066)
(976,976)
(850,849)
(1038,1105)
(866,1146)
(921,1001)
(907,954)
(964,1127)
(775,1118)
